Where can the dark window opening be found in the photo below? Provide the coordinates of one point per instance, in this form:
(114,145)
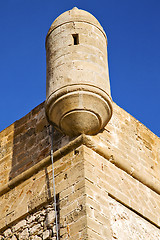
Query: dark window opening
(75,39)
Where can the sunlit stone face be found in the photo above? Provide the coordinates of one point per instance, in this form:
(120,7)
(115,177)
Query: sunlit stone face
(78,89)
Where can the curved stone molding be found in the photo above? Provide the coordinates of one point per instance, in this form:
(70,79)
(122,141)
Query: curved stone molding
(78,90)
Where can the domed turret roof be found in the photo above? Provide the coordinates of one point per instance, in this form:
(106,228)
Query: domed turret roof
(75,15)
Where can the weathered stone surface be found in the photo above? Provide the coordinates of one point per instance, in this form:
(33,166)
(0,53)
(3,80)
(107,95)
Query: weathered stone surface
(126,224)
(25,143)
(46,234)
(107,185)
(35,238)
(85,173)
(7,233)
(35,229)
(83,180)
(6,152)
(13,237)
(38,190)
(32,227)
(24,235)
(50,218)
(78,89)
(20,225)
(121,185)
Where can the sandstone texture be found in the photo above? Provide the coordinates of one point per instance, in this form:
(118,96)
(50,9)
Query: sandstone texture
(107,177)
(37,226)
(78,89)
(126,224)
(107,186)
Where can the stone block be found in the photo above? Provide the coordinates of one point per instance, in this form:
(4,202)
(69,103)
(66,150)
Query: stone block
(24,235)
(35,229)
(46,235)
(7,233)
(19,226)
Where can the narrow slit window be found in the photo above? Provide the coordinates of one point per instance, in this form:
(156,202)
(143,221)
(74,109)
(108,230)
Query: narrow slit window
(75,39)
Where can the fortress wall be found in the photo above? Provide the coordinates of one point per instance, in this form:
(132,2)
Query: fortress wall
(107,185)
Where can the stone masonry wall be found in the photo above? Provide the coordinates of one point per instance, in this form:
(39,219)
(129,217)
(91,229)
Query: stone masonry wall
(107,185)
(126,224)
(87,186)
(25,143)
(133,143)
(37,191)
(40,225)
(36,226)
(104,181)
(31,140)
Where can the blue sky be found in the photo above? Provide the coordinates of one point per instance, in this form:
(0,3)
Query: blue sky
(133,31)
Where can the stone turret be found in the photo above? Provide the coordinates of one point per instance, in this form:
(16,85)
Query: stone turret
(78,90)
(107,186)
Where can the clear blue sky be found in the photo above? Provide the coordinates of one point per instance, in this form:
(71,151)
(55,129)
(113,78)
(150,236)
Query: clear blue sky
(133,31)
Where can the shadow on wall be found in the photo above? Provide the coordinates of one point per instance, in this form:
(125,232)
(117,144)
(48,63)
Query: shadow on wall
(31,141)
